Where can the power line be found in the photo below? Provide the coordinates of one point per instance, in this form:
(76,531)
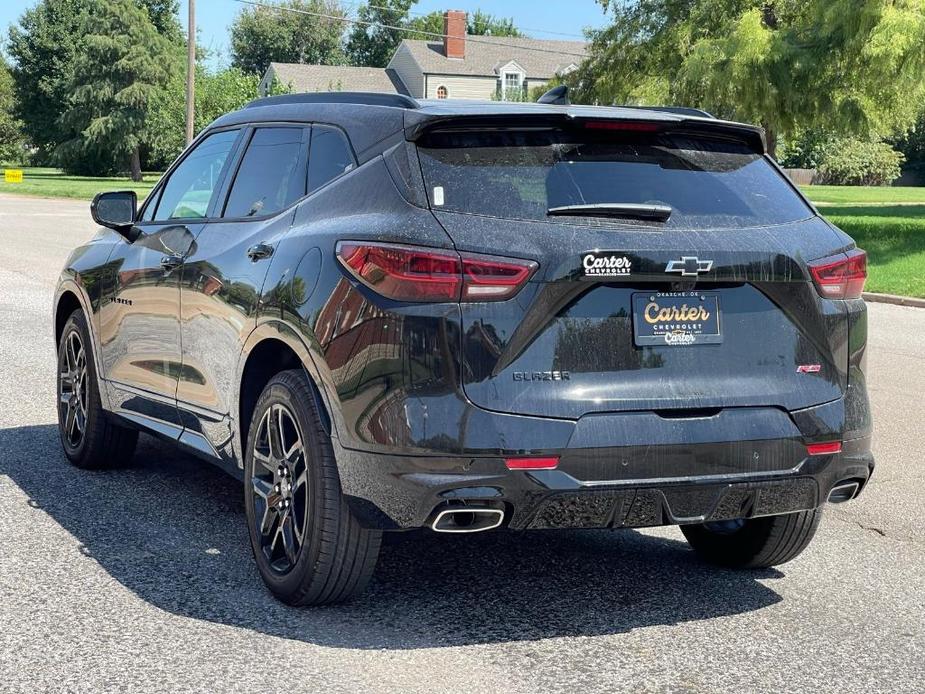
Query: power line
(525,30)
(468,39)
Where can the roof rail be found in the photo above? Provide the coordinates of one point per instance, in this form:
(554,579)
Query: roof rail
(679,110)
(364,98)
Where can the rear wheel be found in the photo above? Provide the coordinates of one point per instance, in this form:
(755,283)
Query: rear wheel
(754,543)
(91,440)
(309,548)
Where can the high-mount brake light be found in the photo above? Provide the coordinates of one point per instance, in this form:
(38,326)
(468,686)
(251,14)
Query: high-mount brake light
(633,126)
(414,273)
(841,276)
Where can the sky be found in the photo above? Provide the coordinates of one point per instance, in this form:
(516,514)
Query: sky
(558,19)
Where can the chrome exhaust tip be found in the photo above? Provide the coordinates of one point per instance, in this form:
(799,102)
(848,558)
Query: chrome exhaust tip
(467,520)
(843,491)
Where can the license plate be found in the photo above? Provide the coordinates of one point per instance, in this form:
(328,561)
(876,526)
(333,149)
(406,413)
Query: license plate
(676,319)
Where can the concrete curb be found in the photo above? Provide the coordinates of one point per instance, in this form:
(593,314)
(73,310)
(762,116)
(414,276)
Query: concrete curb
(894,299)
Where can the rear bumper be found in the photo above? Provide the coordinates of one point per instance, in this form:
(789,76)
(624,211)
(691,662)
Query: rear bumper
(400,492)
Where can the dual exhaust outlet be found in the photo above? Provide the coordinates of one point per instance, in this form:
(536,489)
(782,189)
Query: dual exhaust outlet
(467,519)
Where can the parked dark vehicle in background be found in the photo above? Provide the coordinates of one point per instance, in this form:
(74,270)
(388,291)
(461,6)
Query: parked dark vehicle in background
(385,314)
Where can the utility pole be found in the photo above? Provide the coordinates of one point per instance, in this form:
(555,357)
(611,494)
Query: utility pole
(191,71)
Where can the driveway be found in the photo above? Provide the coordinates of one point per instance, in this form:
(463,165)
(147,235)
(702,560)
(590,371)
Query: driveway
(142,580)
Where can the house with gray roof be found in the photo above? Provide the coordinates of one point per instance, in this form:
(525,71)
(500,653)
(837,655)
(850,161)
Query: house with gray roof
(457,67)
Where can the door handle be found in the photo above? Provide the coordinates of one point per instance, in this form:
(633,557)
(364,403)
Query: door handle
(171,262)
(259,252)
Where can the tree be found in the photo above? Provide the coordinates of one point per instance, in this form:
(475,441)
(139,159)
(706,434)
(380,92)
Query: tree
(163,15)
(44,46)
(478,23)
(372,45)
(261,35)
(124,63)
(217,93)
(853,66)
(483,24)
(11,138)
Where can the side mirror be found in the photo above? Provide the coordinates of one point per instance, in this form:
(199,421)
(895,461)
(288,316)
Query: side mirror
(116,210)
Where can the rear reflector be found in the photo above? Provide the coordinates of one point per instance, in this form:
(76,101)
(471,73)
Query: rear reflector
(413,273)
(531,463)
(841,276)
(827,448)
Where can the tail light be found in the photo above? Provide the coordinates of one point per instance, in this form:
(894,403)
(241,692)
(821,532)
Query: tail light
(841,276)
(414,273)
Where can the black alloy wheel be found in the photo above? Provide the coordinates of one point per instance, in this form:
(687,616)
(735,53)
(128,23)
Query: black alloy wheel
(280,487)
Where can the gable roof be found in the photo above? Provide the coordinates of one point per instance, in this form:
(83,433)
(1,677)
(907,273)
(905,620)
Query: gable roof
(327,78)
(540,58)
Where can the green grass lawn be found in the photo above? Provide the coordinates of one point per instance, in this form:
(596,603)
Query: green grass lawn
(864,195)
(53,183)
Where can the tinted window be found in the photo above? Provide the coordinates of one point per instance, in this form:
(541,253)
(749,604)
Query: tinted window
(271,175)
(330,157)
(190,187)
(708,182)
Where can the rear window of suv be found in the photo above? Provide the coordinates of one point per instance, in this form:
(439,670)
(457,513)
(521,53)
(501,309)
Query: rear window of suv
(708,182)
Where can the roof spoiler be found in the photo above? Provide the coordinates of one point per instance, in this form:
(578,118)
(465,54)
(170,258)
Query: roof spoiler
(359,98)
(422,122)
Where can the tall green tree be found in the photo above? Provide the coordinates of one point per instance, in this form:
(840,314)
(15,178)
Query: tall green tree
(123,65)
(852,66)
(261,35)
(369,43)
(11,136)
(43,46)
(163,15)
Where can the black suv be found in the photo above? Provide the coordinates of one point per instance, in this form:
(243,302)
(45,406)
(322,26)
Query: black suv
(384,314)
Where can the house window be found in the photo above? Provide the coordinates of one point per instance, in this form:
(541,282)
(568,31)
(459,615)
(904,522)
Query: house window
(442,92)
(511,83)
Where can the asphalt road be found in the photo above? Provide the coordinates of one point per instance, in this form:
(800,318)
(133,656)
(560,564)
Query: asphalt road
(142,579)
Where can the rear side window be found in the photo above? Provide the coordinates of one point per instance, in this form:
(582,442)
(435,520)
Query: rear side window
(708,182)
(330,156)
(190,187)
(272,173)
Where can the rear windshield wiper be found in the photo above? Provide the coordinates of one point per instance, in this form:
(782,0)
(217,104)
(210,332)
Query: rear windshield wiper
(659,213)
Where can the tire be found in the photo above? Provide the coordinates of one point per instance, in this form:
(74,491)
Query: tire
(90,438)
(309,548)
(754,543)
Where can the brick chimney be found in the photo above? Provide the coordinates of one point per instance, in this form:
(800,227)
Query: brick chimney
(454,34)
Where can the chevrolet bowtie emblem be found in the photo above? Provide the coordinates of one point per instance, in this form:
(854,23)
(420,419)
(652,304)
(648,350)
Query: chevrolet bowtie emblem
(689,266)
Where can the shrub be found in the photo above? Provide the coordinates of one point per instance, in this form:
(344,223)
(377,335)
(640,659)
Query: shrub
(850,162)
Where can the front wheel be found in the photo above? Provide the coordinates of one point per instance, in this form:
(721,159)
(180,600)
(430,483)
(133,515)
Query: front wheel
(91,440)
(754,543)
(309,548)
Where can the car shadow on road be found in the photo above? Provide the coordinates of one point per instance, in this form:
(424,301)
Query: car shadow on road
(172,530)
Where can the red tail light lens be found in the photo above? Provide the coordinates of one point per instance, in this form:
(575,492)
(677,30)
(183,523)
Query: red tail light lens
(412,273)
(841,276)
